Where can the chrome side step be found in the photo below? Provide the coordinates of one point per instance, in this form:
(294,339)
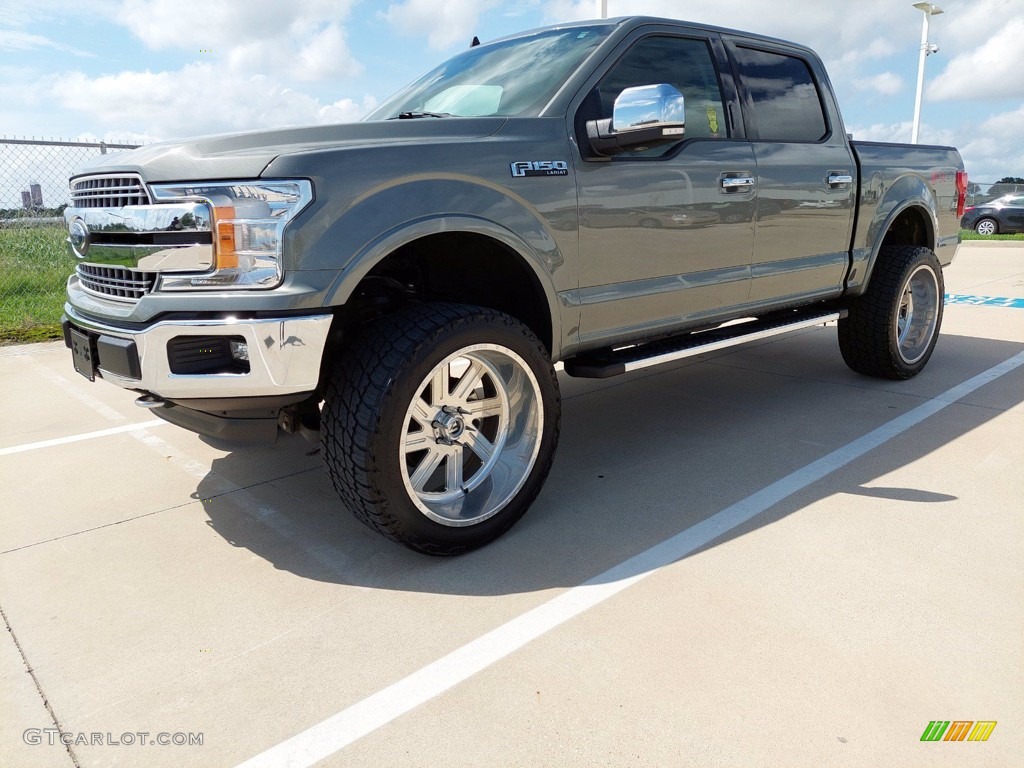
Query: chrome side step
(607,363)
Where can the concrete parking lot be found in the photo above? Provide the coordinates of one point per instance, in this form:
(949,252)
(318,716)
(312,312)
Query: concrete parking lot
(754,557)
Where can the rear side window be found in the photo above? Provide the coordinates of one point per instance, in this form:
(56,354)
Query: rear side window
(785,99)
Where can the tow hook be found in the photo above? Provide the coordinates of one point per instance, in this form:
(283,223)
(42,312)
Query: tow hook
(303,419)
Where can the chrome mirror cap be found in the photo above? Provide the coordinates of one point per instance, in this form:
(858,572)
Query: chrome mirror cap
(648,106)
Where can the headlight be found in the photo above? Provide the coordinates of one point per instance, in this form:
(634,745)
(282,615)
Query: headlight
(248,219)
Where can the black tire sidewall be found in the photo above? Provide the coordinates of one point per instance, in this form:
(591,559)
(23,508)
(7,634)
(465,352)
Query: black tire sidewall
(868,336)
(487,327)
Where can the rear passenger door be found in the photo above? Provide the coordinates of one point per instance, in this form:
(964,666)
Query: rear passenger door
(806,174)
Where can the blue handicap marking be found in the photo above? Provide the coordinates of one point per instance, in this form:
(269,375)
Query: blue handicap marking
(984,301)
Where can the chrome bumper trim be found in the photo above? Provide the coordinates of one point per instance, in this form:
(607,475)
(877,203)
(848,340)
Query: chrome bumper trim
(284,355)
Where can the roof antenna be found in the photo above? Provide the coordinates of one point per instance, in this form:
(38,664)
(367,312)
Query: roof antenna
(475,43)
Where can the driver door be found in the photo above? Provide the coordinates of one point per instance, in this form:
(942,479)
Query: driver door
(666,233)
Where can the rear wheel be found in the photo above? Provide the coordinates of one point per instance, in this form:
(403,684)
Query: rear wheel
(440,425)
(986,227)
(892,328)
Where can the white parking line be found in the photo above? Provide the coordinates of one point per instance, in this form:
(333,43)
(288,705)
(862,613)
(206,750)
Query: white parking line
(81,437)
(330,557)
(340,730)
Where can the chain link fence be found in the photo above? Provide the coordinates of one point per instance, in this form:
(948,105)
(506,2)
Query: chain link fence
(34,262)
(979,193)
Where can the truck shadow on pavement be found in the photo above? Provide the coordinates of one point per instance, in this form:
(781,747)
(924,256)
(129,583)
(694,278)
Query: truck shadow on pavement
(640,460)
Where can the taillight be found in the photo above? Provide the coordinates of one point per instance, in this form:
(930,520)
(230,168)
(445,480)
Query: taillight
(961,192)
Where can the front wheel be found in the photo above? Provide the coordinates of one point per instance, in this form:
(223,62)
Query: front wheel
(440,425)
(892,328)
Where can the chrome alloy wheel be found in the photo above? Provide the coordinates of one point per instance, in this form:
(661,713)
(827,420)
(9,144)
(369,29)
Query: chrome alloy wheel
(985,227)
(472,434)
(918,313)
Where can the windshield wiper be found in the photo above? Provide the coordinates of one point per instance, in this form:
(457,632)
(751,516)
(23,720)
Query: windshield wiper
(415,115)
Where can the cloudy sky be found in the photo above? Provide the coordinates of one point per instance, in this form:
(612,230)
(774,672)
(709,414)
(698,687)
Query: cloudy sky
(143,70)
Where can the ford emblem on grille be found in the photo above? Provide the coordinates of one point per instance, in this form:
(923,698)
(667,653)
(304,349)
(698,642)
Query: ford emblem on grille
(78,236)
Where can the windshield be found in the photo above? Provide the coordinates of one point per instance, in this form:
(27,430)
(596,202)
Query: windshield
(509,78)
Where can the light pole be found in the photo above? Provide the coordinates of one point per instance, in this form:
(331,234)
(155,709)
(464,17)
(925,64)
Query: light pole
(929,9)
(602,9)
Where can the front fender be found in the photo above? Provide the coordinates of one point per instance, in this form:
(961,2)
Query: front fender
(351,239)
(408,232)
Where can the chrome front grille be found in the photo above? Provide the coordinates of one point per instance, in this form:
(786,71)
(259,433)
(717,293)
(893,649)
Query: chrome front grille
(108,192)
(115,282)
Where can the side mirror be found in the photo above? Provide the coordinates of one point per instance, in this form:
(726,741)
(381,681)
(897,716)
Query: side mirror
(644,116)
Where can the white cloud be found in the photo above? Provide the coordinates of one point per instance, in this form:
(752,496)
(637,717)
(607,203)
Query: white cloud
(990,150)
(17,40)
(444,24)
(325,55)
(169,24)
(301,41)
(897,132)
(995,147)
(197,99)
(887,83)
(19,14)
(995,70)
(818,24)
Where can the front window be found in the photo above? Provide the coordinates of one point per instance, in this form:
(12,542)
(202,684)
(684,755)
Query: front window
(684,63)
(515,77)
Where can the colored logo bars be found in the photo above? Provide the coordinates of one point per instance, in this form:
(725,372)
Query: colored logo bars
(958,730)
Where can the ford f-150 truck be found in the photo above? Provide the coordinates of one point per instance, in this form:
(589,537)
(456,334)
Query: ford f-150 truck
(612,195)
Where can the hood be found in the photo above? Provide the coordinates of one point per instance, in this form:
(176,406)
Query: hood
(246,155)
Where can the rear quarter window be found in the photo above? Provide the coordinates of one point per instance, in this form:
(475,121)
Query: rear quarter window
(784,97)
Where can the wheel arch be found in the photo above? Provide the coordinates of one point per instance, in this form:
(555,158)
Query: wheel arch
(911,222)
(482,263)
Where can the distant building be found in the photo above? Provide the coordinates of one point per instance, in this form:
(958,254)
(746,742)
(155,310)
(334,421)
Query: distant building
(37,194)
(26,199)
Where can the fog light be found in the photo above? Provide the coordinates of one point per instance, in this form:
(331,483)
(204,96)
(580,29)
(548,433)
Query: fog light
(239,350)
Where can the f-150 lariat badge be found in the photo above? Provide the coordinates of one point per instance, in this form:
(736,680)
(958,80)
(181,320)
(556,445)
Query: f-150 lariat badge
(540,168)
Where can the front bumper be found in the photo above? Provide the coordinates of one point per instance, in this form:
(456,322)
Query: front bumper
(284,355)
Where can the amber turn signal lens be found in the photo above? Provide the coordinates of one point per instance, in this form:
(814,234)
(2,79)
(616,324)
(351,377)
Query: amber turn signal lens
(224,216)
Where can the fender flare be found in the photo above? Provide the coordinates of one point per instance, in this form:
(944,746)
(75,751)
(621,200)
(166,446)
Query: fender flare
(906,193)
(410,231)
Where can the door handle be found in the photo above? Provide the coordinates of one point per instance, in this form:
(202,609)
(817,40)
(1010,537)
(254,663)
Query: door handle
(839,179)
(736,183)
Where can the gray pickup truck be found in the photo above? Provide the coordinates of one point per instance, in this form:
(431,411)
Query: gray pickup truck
(611,194)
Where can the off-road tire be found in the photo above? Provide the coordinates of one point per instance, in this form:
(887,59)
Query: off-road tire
(364,427)
(870,336)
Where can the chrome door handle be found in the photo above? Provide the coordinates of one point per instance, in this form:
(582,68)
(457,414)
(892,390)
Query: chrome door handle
(839,179)
(737,182)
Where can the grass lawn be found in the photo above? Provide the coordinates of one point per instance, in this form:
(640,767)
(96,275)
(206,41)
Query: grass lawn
(970,234)
(34,268)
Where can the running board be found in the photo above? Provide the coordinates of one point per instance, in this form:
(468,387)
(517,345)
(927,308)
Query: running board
(604,364)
